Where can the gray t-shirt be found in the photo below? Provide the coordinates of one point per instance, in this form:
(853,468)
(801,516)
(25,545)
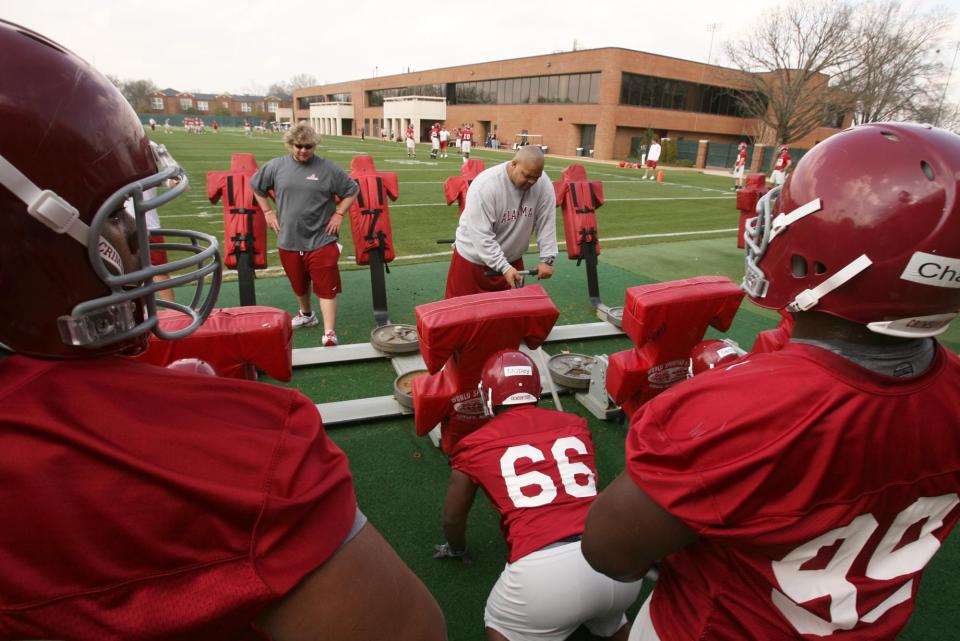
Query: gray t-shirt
(305,198)
(498,219)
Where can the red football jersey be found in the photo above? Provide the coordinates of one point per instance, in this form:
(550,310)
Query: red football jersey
(467,135)
(741,158)
(537,467)
(817,507)
(140,502)
(409,132)
(782,161)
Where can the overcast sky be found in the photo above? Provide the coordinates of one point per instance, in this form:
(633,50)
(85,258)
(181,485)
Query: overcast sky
(243,46)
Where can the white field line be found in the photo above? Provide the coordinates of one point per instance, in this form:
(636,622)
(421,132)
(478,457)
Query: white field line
(279,270)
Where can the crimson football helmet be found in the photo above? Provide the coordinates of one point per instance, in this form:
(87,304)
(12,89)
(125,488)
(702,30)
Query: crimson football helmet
(75,271)
(866,228)
(509,377)
(713,353)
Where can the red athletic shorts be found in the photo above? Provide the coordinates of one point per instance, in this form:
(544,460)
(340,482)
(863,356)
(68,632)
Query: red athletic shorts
(652,164)
(158,256)
(318,266)
(444,144)
(465,277)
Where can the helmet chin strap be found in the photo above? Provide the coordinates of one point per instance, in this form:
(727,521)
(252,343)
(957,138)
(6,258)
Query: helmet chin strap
(809,298)
(53,211)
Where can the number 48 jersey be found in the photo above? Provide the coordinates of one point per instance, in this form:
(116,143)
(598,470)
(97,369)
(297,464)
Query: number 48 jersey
(537,467)
(819,490)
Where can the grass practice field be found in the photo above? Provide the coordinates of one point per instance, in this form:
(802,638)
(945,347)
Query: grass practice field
(649,233)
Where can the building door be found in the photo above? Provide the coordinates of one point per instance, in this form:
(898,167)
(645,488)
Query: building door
(588,134)
(347,126)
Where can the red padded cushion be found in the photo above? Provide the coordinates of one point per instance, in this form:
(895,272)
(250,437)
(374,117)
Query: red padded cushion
(457,336)
(665,321)
(579,199)
(230,339)
(372,208)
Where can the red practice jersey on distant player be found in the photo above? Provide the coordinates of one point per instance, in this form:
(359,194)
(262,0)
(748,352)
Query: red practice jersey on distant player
(467,135)
(741,158)
(410,132)
(537,467)
(141,502)
(782,161)
(816,509)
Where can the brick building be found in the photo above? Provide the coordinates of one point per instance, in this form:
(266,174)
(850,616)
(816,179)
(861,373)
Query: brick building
(604,100)
(172,102)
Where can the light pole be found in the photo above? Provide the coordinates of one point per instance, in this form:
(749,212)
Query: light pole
(946,85)
(713,27)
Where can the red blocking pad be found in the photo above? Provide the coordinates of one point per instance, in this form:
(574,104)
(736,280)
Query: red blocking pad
(240,210)
(665,321)
(233,340)
(579,199)
(456,338)
(370,212)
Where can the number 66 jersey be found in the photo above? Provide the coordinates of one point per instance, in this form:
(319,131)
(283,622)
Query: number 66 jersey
(532,458)
(819,491)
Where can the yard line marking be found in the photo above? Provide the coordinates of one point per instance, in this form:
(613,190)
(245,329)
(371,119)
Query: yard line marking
(278,270)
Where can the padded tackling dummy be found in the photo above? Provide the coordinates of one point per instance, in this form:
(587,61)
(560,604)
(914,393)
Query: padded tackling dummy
(772,340)
(235,341)
(665,321)
(238,201)
(455,187)
(370,212)
(457,336)
(747,199)
(580,198)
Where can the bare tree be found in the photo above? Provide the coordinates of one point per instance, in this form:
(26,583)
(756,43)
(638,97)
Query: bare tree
(285,88)
(896,75)
(135,91)
(791,58)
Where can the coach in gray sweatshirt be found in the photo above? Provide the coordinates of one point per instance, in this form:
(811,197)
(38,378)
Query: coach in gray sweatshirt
(505,205)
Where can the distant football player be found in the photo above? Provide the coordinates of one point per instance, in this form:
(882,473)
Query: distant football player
(411,142)
(537,467)
(781,165)
(740,165)
(800,493)
(435,140)
(466,142)
(141,502)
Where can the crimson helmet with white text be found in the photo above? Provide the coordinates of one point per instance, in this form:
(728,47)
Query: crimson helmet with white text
(509,377)
(75,270)
(866,228)
(708,354)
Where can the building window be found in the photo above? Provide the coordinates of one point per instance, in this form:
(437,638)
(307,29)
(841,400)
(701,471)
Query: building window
(663,93)
(272,107)
(186,103)
(226,105)
(156,102)
(583,88)
(375,97)
(203,105)
(245,107)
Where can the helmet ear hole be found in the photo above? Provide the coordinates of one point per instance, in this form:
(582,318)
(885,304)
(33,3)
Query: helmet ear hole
(927,170)
(819,268)
(798,265)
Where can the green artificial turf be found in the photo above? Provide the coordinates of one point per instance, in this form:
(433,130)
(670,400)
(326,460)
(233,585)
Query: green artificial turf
(649,233)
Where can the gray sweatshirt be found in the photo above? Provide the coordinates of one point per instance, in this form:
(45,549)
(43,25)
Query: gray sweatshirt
(498,219)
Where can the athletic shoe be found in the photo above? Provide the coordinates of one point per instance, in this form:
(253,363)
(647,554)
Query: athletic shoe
(305,320)
(329,338)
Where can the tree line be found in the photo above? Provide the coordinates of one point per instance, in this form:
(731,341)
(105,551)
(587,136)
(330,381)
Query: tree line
(809,63)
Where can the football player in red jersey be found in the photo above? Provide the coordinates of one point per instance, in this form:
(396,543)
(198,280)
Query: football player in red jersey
(140,502)
(537,467)
(801,493)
